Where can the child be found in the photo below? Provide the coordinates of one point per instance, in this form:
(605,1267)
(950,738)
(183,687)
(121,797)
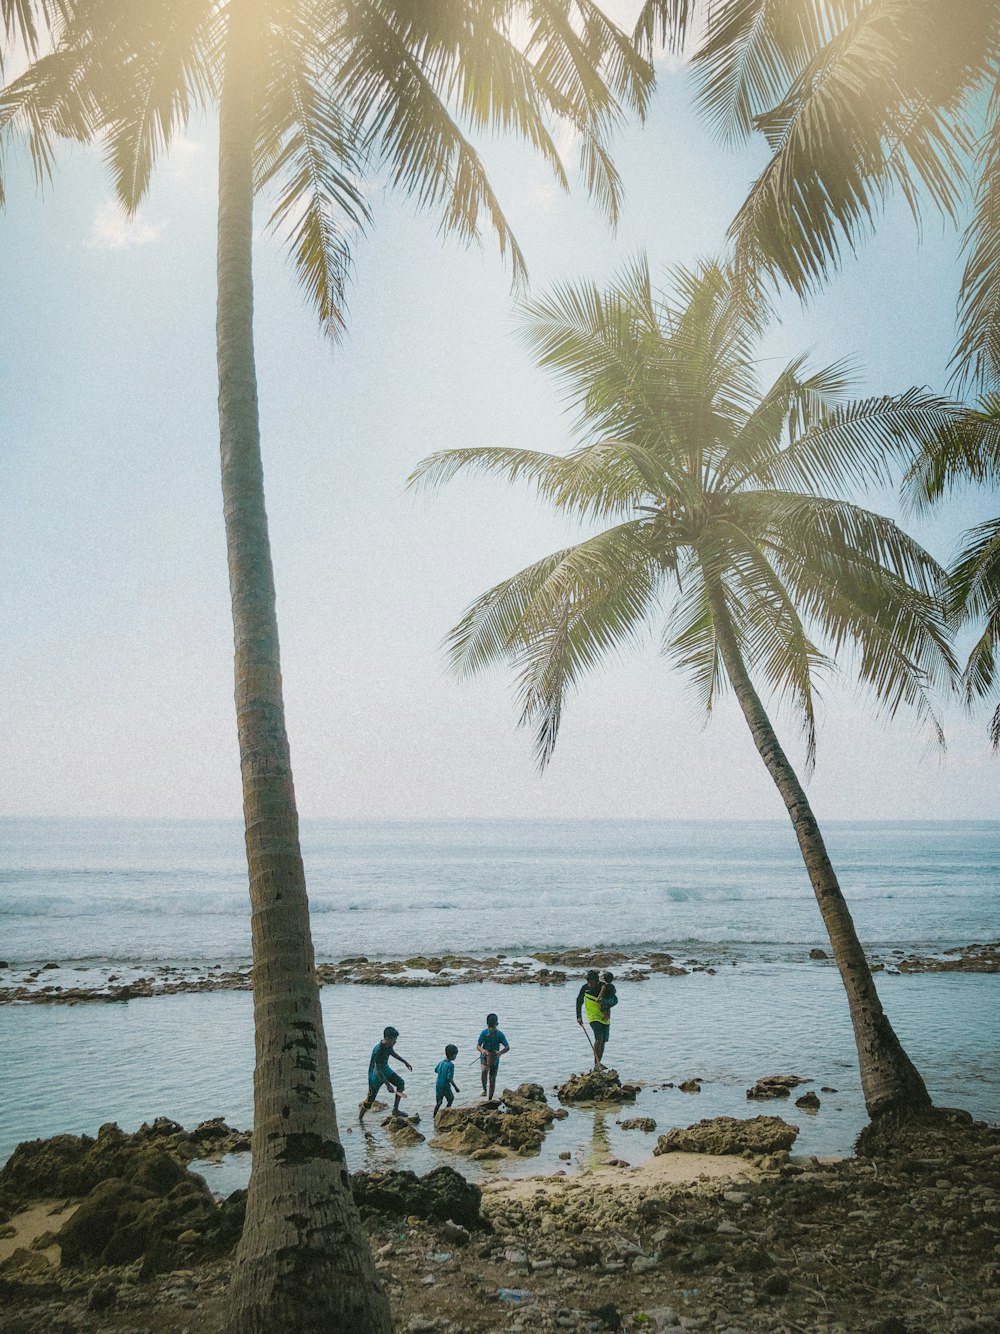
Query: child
(607,996)
(379,1072)
(491,1046)
(445,1071)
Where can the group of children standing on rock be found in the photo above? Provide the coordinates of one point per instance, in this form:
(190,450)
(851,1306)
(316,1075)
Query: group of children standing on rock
(597,997)
(491,1046)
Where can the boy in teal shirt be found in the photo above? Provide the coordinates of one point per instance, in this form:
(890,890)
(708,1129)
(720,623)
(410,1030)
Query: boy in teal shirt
(445,1071)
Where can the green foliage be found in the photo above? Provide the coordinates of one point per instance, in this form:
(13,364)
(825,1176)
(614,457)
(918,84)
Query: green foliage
(717,490)
(858,99)
(348,94)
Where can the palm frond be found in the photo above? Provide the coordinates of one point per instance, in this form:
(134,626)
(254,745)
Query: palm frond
(309,153)
(666,22)
(755,49)
(770,636)
(974,581)
(965,447)
(26,23)
(881,106)
(872,592)
(385,88)
(976,359)
(859,444)
(602,480)
(558,619)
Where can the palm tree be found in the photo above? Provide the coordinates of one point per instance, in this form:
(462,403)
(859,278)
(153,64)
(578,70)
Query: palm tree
(856,99)
(312,96)
(716,491)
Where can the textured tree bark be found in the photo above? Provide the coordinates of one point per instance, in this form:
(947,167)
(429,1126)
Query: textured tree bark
(304,1262)
(892,1085)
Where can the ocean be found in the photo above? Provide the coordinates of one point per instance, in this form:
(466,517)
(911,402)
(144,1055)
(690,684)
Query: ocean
(97,894)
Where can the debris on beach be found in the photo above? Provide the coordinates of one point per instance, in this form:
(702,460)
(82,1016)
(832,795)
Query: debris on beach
(597,1086)
(514,1123)
(730,1134)
(775,1086)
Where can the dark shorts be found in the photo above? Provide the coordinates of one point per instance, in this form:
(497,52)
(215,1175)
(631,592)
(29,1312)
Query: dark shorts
(601,1031)
(445,1094)
(491,1059)
(379,1077)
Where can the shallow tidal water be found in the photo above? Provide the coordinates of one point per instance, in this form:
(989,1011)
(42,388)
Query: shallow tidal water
(190,1057)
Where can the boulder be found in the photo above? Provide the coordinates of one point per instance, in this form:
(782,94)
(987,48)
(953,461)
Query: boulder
(443,1195)
(70,1166)
(645,1123)
(403,1131)
(595,1086)
(775,1086)
(729,1134)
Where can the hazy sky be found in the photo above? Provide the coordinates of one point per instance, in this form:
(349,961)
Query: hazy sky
(116,672)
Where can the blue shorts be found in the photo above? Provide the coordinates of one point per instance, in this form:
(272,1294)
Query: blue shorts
(443,1093)
(379,1077)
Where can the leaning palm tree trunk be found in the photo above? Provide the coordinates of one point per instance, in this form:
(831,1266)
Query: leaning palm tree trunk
(891,1084)
(303,1262)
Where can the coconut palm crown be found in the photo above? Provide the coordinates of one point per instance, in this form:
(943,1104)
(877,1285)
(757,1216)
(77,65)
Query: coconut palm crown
(717,527)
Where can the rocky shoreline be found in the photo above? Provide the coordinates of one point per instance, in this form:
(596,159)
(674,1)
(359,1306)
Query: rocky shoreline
(54,983)
(901,1242)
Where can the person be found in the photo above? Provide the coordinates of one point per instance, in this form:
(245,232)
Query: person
(379,1072)
(491,1046)
(607,997)
(445,1071)
(589,998)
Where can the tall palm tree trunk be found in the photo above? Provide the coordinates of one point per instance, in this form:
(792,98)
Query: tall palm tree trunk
(892,1085)
(303,1263)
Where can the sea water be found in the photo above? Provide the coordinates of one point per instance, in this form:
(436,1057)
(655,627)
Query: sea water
(149,892)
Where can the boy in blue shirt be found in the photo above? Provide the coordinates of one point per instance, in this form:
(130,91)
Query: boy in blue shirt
(491,1046)
(379,1072)
(445,1071)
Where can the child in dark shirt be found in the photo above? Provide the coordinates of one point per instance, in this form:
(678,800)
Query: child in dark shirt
(607,996)
(379,1072)
(491,1046)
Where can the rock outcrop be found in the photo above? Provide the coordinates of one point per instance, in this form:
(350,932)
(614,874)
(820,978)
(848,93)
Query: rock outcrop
(514,1123)
(597,1086)
(730,1134)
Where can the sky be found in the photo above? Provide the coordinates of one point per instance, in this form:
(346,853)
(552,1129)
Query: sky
(116,667)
